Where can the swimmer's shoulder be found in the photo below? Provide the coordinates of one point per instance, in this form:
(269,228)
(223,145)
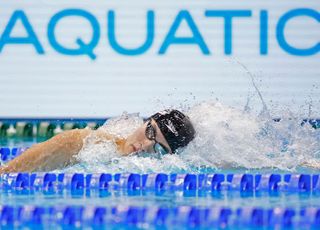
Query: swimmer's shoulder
(102,135)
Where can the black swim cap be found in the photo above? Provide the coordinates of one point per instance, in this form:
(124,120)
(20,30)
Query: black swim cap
(175,127)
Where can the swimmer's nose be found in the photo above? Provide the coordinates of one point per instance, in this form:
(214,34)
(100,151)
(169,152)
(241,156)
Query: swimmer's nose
(148,145)
(137,147)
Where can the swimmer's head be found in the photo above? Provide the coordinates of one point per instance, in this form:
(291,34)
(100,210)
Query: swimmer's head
(176,128)
(165,131)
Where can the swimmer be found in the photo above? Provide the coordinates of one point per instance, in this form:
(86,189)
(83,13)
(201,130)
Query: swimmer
(163,133)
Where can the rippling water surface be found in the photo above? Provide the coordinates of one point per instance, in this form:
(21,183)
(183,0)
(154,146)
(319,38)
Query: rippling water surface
(227,139)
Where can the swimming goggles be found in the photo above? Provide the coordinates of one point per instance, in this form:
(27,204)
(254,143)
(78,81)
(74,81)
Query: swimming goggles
(151,134)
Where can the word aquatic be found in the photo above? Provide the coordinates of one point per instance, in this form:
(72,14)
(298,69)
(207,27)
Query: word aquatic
(196,38)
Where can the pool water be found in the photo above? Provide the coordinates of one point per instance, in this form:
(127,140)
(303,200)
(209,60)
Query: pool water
(240,172)
(147,201)
(169,198)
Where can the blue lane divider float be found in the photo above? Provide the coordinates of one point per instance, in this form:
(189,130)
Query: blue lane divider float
(316,182)
(310,217)
(241,182)
(155,182)
(214,182)
(250,216)
(183,216)
(98,181)
(162,182)
(44,181)
(128,181)
(298,182)
(7,153)
(281,217)
(267,182)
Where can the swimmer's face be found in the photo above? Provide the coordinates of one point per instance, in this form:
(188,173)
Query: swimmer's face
(138,141)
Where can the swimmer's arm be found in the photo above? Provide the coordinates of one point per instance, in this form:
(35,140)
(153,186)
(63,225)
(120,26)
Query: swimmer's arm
(49,155)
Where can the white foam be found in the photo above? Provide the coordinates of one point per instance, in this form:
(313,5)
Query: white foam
(226,138)
(230,137)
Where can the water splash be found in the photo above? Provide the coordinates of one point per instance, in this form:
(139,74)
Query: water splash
(230,137)
(226,138)
(265,110)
